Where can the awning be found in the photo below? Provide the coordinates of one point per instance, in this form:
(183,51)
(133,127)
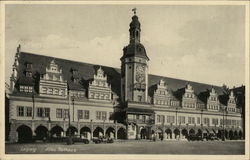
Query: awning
(209,130)
(140,111)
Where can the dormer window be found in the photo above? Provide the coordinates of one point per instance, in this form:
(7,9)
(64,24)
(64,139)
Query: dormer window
(28,70)
(29,66)
(28,74)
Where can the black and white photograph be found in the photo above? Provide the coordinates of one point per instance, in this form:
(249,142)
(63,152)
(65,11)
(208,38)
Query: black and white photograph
(125,79)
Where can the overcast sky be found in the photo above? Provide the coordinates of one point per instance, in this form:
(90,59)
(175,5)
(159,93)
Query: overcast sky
(197,43)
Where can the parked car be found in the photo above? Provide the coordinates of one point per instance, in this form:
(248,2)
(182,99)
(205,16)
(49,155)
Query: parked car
(211,137)
(80,139)
(103,140)
(194,138)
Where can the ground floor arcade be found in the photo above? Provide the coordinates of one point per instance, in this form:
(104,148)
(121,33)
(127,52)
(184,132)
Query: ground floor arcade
(24,131)
(181,132)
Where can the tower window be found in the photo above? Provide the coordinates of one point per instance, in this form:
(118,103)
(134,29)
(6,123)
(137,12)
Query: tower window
(137,34)
(139,98)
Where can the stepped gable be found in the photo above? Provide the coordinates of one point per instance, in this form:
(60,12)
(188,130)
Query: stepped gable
(86,72)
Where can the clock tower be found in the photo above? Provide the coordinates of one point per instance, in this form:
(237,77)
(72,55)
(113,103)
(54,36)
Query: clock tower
(134,66)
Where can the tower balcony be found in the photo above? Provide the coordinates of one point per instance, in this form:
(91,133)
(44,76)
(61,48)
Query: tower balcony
(139,86)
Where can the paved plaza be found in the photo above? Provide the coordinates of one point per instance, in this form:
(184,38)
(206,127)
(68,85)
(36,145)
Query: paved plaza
(133,147)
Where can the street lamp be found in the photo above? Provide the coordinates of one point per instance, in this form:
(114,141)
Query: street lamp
(69,142)
(223,137)
(176,116)
(73,102)
(201,123)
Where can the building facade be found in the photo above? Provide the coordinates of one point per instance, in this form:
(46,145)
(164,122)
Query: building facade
(50,97)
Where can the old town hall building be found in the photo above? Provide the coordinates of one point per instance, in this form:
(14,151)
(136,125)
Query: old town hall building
(49,95)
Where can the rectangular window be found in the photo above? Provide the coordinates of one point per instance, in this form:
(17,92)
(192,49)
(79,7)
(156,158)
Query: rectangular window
(86,114)
(104,115)
(98,115)
(80,116)
(193,120)
(44,90)
(28,111)
(30,89)
(50,91)
(47,112)
(21,88)
(181,120)
(215,121)
(56,91)
(162,118)
(58,113)
(66,113)
(158,118)
(189,120)
(40,112)
(206,121)
(110,115)
(234,122)
(198,120)
(20,111)
(137,116)
(26,89)
(143,118)
(139,98)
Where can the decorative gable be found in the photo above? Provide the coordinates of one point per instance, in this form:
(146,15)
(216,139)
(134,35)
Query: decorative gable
(99,88)
(162,96)
(231,104)
(51,83)
(189,99)
(213,101)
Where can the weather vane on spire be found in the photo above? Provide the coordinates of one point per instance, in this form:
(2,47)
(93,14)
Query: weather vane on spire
(134,10)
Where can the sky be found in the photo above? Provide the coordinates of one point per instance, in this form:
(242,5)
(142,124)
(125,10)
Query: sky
(193,42)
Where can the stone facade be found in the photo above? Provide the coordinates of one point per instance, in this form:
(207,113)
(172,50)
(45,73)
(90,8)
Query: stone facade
(50,95)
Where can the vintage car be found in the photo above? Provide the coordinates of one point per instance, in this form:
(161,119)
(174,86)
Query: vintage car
(194,137)
(211,137)
(97,140)
(80,139)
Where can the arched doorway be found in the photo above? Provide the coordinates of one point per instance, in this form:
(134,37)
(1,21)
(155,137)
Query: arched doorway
(110,132)
(240,134)
(73,131)
(184,133)
(220,134)
(121,133)
(226,134)
(199,133)
(236,135)
(231,135)
(169,133)
(159,132)
(143,133)
(85,132)
(98,132)
(24,134)
(56,131)
(176,133)
(41,133)
(191,132)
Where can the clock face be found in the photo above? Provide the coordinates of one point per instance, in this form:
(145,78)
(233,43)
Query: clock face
(140,73)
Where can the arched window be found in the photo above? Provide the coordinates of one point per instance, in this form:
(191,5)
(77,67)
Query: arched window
(137,34)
